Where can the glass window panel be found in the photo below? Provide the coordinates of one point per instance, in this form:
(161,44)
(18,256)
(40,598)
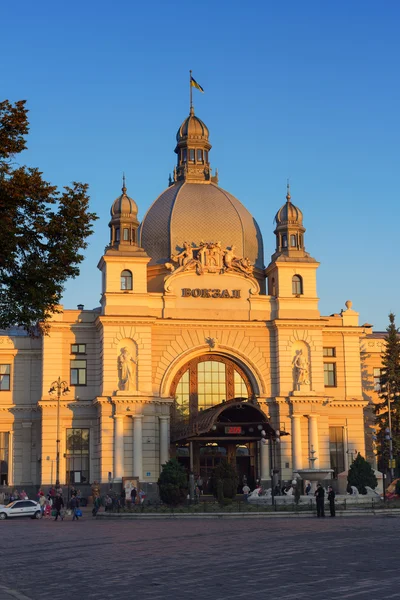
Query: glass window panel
(329,352)
(330,374)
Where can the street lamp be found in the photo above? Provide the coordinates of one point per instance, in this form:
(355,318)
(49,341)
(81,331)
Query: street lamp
(60,388)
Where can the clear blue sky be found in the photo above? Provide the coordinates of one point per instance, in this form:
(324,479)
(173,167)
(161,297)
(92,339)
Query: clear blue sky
(305,90)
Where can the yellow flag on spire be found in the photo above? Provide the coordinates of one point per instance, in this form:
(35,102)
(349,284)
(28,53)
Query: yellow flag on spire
(194,83)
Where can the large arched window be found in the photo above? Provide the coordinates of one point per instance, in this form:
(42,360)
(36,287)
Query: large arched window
(126,280)
(206,381)
(297,285)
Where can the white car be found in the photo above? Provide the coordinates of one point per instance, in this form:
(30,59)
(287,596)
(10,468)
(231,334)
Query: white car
(21,508)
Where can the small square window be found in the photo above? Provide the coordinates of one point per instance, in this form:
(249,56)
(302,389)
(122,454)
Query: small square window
(78,348)
(5,373)
(329,352)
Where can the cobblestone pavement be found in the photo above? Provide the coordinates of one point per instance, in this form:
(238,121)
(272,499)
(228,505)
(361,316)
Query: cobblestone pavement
(352,558)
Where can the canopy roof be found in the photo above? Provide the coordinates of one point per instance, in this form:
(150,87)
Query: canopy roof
(215,422)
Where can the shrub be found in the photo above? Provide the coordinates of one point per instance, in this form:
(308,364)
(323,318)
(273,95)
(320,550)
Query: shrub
(172,483)
(361,474)
(224,481)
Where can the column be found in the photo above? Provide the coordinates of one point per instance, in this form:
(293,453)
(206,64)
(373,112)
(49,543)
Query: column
(164,439)
(26,475)
(297,458)
(313,438)
(346,447)
(265,470)
(118,447)
(11,458)
(138,446)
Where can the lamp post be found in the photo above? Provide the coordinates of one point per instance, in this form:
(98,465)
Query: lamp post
(60,388)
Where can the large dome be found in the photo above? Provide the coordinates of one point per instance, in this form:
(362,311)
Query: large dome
(193,212)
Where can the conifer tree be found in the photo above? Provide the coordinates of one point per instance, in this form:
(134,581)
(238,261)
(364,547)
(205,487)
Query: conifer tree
(361,474)
(389,395)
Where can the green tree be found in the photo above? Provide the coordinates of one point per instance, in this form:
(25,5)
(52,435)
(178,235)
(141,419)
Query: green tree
(173,483)
(361,474)
(224,481)
(42,230)
(389,393)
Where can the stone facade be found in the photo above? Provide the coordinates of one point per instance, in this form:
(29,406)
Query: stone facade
(154,320)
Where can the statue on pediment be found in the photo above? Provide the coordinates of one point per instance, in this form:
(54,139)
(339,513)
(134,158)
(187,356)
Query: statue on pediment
(209,257)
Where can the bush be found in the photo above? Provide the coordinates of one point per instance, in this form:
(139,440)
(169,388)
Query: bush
(361,474)
(224,481)
(172,483)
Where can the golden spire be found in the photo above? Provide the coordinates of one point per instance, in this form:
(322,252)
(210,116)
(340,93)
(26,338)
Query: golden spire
(123,184)
(288,196)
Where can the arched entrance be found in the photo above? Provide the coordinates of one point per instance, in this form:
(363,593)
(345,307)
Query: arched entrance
(215,416)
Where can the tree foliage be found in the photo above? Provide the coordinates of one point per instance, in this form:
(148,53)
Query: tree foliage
(361,474)
(42,231)
(390,391)
(173,483)
(224,481)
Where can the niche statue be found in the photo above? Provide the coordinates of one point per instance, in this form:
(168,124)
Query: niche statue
(126,371)
(300,363)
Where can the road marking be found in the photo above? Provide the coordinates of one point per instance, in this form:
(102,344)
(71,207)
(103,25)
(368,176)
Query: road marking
(14,593)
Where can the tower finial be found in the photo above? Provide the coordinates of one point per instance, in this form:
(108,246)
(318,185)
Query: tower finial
(123,184)
(288,196)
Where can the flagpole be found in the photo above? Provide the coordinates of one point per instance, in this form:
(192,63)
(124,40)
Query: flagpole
(191,91)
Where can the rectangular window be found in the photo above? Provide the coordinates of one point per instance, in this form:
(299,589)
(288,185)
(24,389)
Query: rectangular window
(377,380)
(211,383)
(126,235)
(78,348)
(293,241)
(78,372)
(182,397)
(330,374)
(329,352)
(199,156)
(77,456)
(336,449)
(4,442)
(191,155)
(5,373)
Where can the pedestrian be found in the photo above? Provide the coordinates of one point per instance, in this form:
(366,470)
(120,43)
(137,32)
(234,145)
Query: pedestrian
(42,502)
(246,491)
(296,494)
(142,496)
(133,496)
(331,500)
(320,499)
(58,504)
(308,488)
(123,496)
(74,504)
(200,484)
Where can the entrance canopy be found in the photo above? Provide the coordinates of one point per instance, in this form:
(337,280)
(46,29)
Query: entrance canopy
(238,419)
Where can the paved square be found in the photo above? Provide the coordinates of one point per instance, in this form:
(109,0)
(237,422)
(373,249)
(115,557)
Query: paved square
(224,559)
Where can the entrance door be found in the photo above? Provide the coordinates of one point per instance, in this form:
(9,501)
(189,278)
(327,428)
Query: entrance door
(210,457)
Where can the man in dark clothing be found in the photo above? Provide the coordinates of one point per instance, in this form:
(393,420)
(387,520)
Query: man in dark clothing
(320,498)
(74,503)
(58,504)
(331,500)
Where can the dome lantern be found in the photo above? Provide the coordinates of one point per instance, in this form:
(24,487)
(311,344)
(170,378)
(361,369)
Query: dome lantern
(192,148)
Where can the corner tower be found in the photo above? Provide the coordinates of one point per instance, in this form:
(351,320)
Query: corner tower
(124,264)
(292,272)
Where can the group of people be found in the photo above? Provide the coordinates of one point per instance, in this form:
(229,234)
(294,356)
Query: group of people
(320,500)
(7,497)
(52,503)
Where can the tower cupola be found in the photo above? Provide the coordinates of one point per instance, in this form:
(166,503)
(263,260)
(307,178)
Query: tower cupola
(289,229)
(124,223)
